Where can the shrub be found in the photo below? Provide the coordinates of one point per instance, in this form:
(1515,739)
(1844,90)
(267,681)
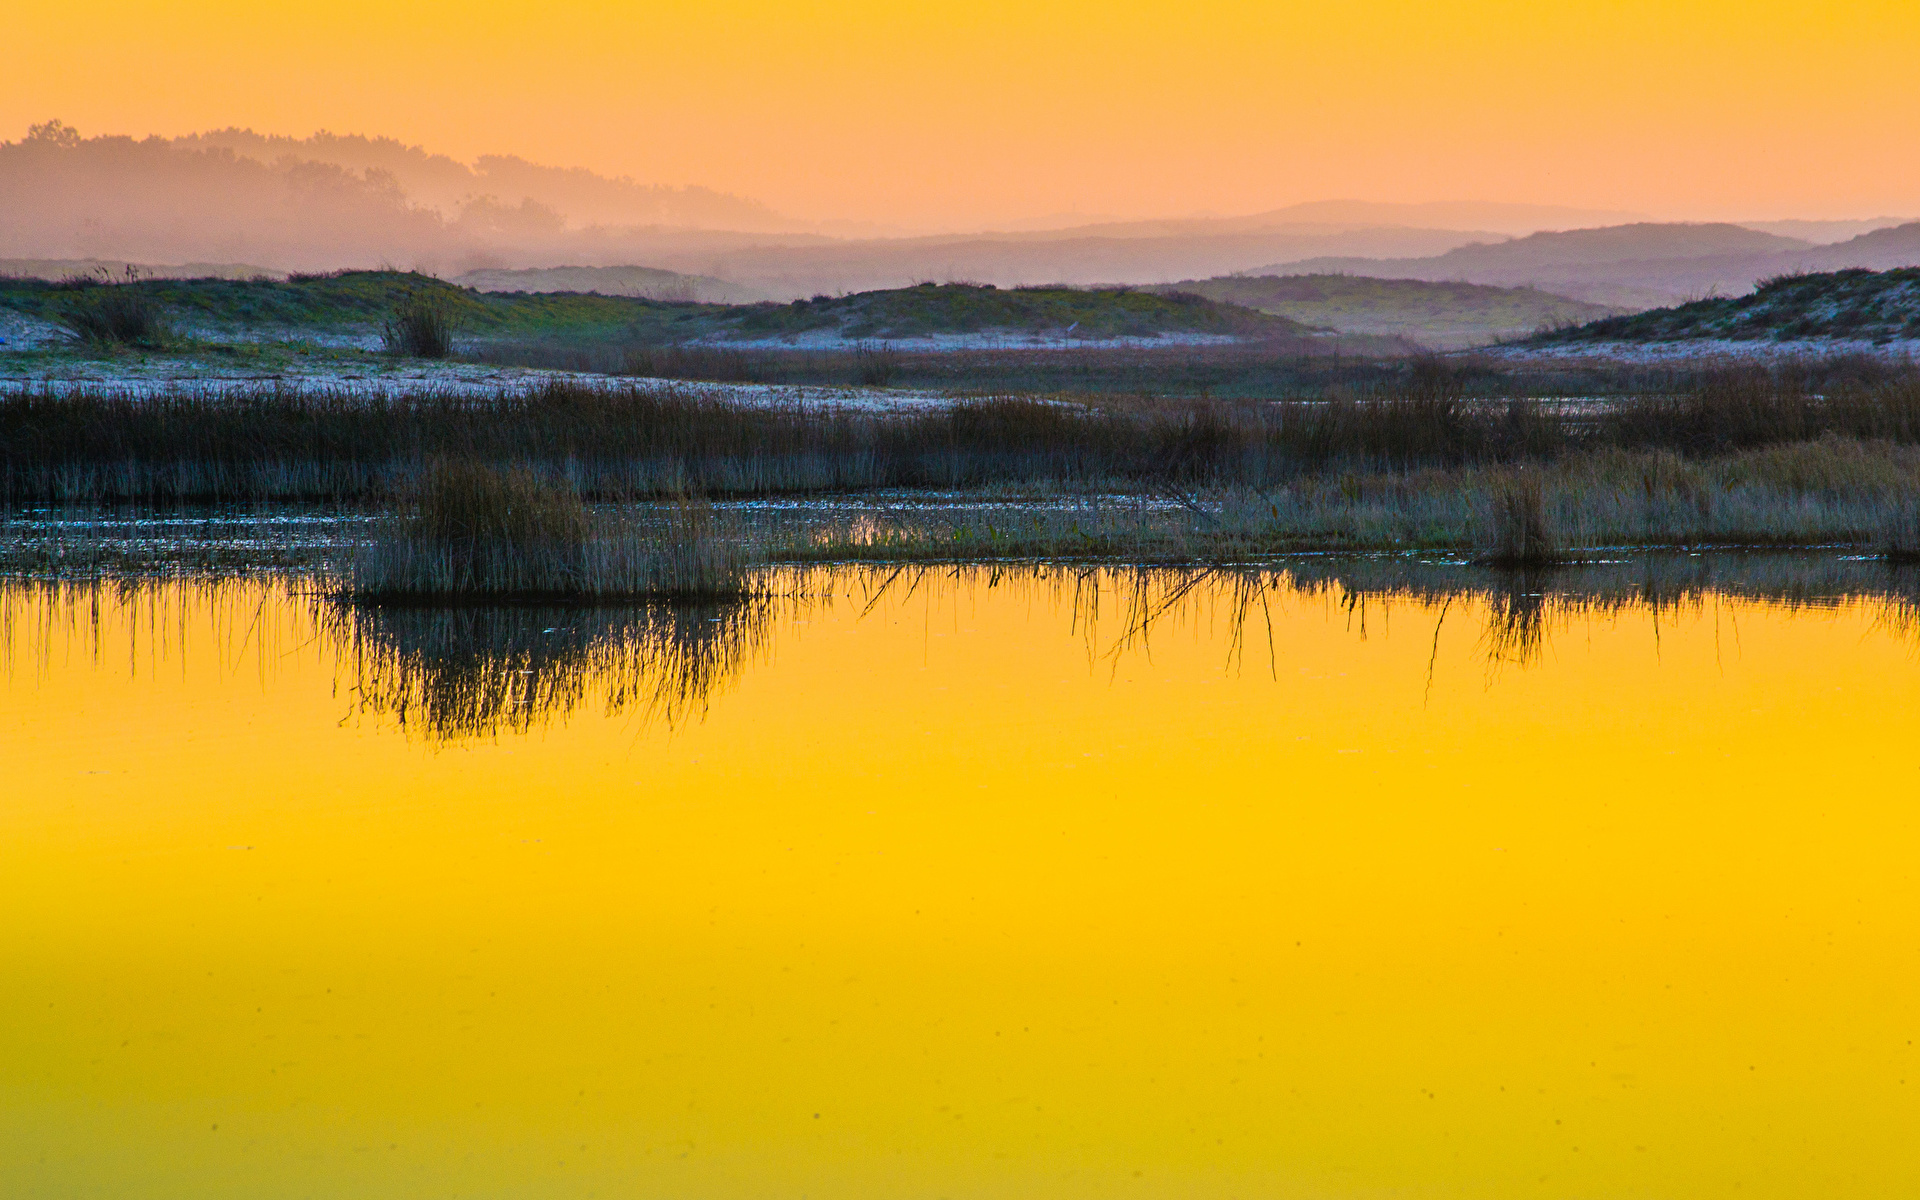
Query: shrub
(114,314)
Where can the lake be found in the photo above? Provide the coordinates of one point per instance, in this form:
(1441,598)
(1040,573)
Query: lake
(1343,880)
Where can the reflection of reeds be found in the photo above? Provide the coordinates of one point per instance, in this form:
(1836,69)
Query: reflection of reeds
(473,671)
(462,672)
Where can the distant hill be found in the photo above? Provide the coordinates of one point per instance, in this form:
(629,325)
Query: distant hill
(1638,266)
(648,283)
(1016,260)
(358,301)
(1436,315)
(1881,250)
(1856,305)
(1625,266)
(1335,216)
(1826,233)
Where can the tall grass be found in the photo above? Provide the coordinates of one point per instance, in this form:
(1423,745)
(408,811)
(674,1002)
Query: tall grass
(477,533)
(656,440)
(1830,492)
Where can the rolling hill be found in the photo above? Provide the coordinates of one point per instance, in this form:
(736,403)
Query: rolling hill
(1625,266)
(1639,266)
(1851,305)
(359,301)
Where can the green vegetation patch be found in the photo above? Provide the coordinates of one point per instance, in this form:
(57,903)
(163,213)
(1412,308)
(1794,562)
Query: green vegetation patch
(1877,306)
(361,300)
(365,300)
(961,308)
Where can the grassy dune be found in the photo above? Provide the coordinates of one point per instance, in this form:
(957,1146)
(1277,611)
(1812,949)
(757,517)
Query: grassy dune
(360,300)
(1877,306)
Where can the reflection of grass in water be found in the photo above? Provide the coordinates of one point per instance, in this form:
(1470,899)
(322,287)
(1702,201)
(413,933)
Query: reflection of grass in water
(472,671)
(458,672)
(1519,608)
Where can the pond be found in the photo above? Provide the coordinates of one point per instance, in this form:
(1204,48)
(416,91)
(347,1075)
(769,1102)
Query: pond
(1339,879)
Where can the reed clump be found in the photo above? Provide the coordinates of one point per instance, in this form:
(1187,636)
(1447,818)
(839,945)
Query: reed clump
(1521,530)
(475,533)
(419,327)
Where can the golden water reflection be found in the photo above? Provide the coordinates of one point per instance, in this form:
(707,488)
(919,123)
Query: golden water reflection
(1360,879)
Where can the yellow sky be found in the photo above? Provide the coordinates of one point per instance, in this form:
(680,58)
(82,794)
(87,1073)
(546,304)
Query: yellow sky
(956,113)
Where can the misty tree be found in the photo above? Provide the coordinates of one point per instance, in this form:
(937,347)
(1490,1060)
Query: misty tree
(54,132)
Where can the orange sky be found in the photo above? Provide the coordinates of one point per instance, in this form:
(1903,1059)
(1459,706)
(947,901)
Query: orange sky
(956,113)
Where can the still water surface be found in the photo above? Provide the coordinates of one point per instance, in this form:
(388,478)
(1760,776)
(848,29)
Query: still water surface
(966,885)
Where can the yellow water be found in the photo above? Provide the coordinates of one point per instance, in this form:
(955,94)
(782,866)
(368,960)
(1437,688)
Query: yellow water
(952,898)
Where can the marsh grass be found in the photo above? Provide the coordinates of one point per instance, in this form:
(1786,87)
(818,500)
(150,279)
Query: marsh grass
(1832,492)
(631,442)
(477,533)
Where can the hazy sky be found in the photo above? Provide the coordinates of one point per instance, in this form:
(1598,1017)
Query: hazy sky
(957,113)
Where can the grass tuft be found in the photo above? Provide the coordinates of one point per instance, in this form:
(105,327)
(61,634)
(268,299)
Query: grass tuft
(480,533)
